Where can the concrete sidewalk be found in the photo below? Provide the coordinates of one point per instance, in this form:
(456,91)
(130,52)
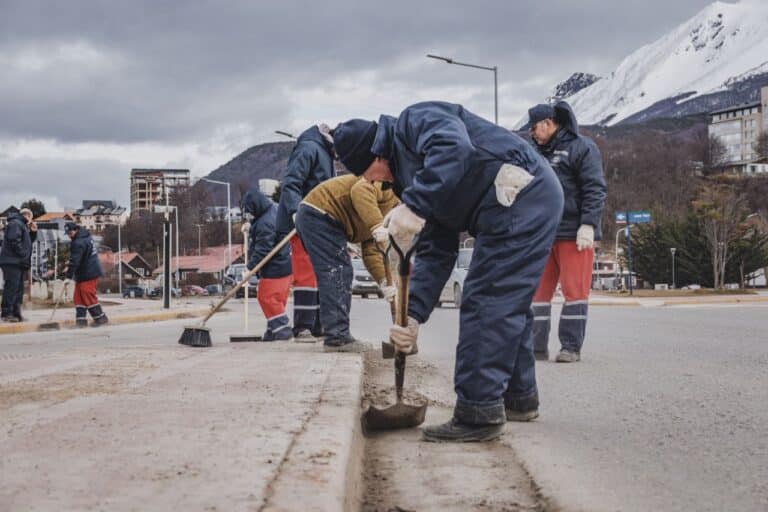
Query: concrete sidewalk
(119,311)
(127,419)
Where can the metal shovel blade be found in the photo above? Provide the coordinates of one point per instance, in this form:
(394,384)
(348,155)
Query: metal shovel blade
(395,417)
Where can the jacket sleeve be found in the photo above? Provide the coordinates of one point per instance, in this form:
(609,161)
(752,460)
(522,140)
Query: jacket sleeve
(592,183)
(443,142)
(299,166)
(76,253)
(437,251)
(365,198)
(373,260)
(262,236)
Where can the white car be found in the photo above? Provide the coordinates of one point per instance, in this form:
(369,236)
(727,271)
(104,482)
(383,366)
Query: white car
(455,284)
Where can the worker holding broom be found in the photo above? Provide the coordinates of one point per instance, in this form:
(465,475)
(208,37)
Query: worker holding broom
(310,163)
(454,172)
(275,277)
(340,210)
(85,269)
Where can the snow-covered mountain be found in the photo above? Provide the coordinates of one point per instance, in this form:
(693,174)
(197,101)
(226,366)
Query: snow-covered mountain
(720,56)
(575,83)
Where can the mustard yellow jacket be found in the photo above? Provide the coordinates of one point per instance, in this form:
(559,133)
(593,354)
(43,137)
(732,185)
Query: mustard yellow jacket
(360,206)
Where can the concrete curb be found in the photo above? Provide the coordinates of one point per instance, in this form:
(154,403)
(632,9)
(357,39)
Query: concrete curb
(323,467)
(25,327)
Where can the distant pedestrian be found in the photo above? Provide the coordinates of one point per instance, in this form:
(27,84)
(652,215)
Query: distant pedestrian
(578,164)
(310,163)
(275,277)
(15,261)
(341,210)
(85,269)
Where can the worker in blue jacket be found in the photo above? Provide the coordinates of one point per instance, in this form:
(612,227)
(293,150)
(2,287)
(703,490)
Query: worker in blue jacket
(275,277)
(84,268)
(310,163)
(579,167)
(455,171)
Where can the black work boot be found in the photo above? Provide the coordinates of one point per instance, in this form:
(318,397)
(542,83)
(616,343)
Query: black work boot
(81,322)
(469,424)
(541,355)
(522,409)
(99,321)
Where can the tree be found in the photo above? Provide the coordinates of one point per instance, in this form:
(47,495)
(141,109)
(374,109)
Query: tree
(721,212)
(761,146)
(715,157)
(37,207)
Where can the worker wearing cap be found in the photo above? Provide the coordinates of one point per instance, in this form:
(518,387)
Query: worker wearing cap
(341,210)
(84,268)
(310,163)
(15,261)
(455,171)
(578,165)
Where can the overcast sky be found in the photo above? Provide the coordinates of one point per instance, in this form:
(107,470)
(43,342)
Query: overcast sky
(90,89)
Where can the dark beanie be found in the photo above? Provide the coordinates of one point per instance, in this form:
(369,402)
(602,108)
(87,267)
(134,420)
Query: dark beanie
(352,141)
(540,113)
(71,226)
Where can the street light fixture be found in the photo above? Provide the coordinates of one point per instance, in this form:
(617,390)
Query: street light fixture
(229,221)
(495,70)
(286,134)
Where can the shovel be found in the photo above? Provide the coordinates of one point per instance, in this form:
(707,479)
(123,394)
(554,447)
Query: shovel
(387,348)
(400,415)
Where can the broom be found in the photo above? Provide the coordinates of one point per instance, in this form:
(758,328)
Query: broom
(50,325)
(200,335)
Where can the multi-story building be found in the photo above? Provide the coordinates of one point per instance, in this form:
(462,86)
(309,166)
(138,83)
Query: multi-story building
(95,215)
(739,128)
(148,186)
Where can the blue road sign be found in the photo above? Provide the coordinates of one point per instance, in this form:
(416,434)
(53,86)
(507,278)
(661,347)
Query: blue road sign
(641,217)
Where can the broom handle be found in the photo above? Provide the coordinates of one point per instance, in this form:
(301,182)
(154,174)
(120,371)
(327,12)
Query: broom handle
(58,300)
(250,274)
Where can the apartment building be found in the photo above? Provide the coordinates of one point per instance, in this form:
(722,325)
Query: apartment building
(739,128)
(148,186)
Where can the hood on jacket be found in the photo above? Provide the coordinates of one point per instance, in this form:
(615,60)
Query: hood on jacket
(312,134)
(17,216)
(82,233)
(256,203)
(565,117)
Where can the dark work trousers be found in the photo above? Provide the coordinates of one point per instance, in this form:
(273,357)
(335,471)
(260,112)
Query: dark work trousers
(326,242)
(494,356)
(13,290)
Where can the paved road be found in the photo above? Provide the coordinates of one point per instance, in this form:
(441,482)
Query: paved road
(667,411)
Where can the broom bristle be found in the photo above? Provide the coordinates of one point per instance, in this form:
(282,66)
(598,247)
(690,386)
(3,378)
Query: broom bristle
(196,337)
(51,326)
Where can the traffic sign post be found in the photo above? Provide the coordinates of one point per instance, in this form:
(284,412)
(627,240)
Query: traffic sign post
(629,218)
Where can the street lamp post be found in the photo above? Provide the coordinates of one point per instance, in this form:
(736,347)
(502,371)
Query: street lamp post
(673,250)
(495,70)
(618,232)
(119,260)
(229,220)
(199,250)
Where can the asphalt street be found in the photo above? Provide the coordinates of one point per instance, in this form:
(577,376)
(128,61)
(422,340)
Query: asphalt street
(667,411)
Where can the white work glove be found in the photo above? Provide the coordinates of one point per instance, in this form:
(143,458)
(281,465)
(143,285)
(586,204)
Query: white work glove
(403,225)
(585,237)
(388,291)
(380,235)
(246,228)
(510,181)
(404,338)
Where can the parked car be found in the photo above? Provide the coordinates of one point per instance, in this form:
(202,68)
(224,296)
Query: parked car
(157,293)
(362,281)
(133,292)
(214,289)
(191,290)
(455,284)
(235,274)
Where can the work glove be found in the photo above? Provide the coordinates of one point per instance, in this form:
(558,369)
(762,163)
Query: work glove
(246,228)
(404,338)
(388,291)
(403,225)
(585,237)
(509,182)
(380,235)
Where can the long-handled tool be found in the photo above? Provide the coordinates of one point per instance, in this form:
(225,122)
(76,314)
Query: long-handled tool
(246,335)
(387,348)
(400,415)
(200,335)
(50,325)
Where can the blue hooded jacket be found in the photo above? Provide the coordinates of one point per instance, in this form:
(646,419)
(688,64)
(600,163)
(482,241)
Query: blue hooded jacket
(579,167)
(17,242)
(262,236)
(83,258)
(310,163)
(444,159)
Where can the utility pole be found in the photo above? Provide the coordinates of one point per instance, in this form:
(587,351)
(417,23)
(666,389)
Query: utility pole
(199,247)
(166,255)
(119,260)
(673,250)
